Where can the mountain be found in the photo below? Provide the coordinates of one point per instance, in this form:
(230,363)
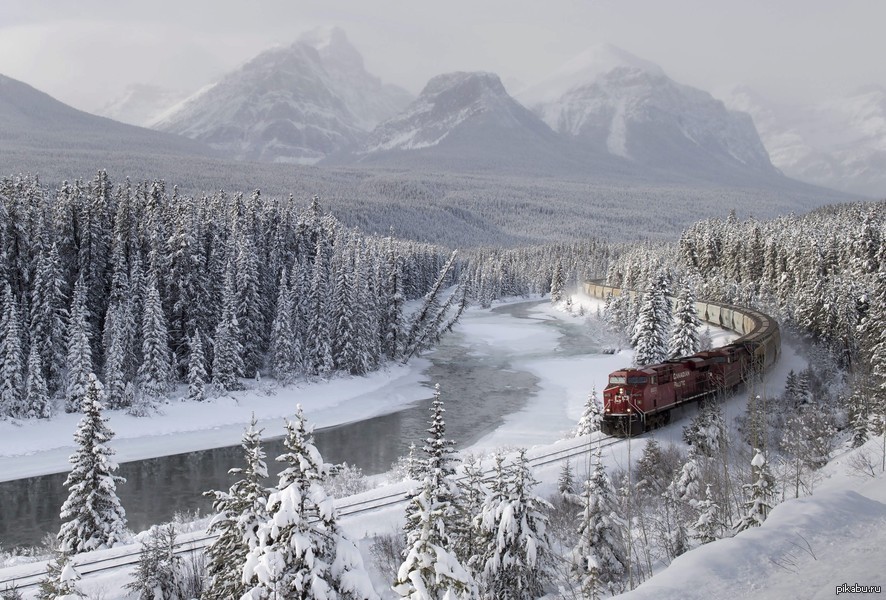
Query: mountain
(36,123)
(140,104)
(614,102)
(293,105)
(839,143)
(467,121)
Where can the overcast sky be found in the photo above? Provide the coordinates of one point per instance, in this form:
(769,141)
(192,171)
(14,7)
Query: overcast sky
(85,52)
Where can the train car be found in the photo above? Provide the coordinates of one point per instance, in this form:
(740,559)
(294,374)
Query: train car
(638,399)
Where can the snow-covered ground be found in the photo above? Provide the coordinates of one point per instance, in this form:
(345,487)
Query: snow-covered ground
(805,549)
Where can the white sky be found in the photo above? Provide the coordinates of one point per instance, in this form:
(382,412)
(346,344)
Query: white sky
(85,52)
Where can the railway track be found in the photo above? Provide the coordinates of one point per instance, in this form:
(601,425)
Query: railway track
(345,509)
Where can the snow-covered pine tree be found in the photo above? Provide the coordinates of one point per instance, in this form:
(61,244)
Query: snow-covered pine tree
(79,363)
(468,504)
(566,480)
(196,368)
(684,338)
(155,374)
(92,517)
(12,367)
(516,560)
(283,334)
(61,580)
(392,308)
(650,334)
(48,314)
(708,527)
(301,552)
(238,514)
(557,284)
(37,398)
(592,417)
(318,348)
(430,569)
(227,364)
(157,573)
(760,494)
(599,559)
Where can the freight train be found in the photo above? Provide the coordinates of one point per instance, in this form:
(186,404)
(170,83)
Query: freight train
(642,398)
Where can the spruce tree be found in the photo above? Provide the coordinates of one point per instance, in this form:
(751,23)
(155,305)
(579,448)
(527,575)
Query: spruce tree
(708,527)
(684,338)
(61,580)
(12,367)
(79,362)
(516,558)
(301,552)
(599,559)
(283,334)
(227,364)
(650,334)
(37,398)
(196,369)
(92,517)
(760,494)
(238,514)
(155,373)
(592,417)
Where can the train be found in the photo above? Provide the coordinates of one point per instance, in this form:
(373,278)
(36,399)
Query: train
(638,399)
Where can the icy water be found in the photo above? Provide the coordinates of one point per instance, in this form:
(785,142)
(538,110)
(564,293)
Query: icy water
(479,385)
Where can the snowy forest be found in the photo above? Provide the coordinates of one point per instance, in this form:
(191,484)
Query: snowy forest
(149,289)
(124,296)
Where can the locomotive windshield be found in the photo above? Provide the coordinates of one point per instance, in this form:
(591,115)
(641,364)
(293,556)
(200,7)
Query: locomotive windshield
(617,379)
(638,379)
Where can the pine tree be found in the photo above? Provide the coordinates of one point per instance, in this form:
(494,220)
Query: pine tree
(283,334)
(592,417)
(760,494)
(599,559)
(92,517)
(155,373)
(301,551)
(516,557)
(79,362)
(36,391)
(650,334)
(684,338)
(157,573)
(48,314)
(196,369)
(238,514)
(708,527)
(61,580)
(392,308)
(430,570)
(227,364)
(12,368)
(557,283)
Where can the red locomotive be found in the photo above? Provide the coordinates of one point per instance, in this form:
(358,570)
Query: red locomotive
(638,399)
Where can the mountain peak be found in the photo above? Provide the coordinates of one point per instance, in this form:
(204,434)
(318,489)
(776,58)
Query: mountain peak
(332,44)
(585,68)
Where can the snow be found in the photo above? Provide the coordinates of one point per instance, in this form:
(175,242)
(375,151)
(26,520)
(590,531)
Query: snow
(805,549)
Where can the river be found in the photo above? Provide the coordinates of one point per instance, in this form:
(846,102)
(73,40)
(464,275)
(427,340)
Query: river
(479,383)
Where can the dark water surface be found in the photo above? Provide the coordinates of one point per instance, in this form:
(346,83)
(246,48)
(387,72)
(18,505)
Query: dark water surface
(479,385)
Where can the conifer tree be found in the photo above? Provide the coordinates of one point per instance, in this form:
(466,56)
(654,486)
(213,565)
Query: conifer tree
(157,573)
(592,417)
(708,527)
(227,364)
(760,494)
(283,334)
(61,580)
(650,334)
(92,517)
(684,338)
(37,397)
(79,362)
(599,559)
(238,514)
(301,551)
(516,557)
(557,283)
(48,314)
(155,373)
(196,369)
(12,368)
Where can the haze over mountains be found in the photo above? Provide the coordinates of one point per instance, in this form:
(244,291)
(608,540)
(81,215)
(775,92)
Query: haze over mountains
(839,143)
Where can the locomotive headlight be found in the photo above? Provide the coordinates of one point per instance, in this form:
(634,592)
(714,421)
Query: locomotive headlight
(621,391)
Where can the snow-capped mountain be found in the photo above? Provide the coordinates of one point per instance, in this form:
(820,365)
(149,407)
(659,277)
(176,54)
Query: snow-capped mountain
(140,104)
(839,143)
(463,119)
(624,105)
(294,104)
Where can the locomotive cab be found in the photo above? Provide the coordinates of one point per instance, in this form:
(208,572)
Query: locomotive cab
(623,397)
